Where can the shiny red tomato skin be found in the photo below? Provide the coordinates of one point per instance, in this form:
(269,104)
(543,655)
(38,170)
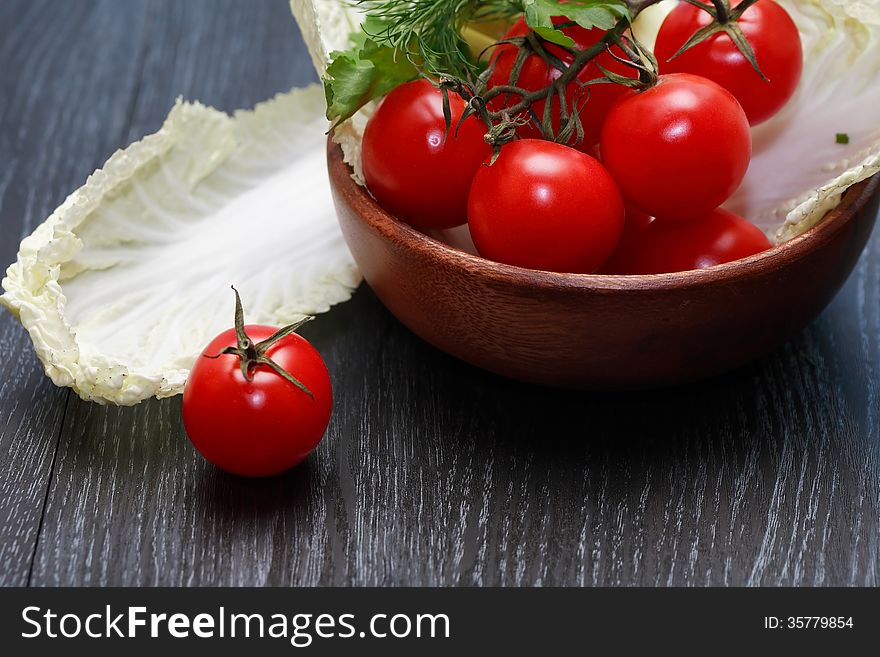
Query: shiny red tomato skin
(717,238)
(773,36)
(536,75)
(679,149)
(412,169)
(260,427)
(634,227)
(545,206)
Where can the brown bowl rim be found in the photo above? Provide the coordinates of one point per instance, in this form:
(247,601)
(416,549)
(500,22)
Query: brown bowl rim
(369,210)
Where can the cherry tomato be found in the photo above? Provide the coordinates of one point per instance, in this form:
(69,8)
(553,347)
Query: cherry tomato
(412,167)
(679,149)
(262,426)
(773,36)
(717,238)
(535,74)
(634,227)
(545,206)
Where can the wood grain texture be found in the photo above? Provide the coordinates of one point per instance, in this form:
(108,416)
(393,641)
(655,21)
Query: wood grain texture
(63,105)
(432,472)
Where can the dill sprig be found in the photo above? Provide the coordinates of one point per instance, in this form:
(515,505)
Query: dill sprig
(429,31)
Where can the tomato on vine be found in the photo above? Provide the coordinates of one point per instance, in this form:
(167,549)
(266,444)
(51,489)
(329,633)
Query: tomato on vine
(258,399)
(545,206)
(413,168)
(717,238)
(768,30)
(677,149)
(593,101)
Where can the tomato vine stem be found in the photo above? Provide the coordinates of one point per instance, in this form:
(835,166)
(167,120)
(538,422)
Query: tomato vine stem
(519,102)
(724,19)
(722,10)
(502,123)
(251,355)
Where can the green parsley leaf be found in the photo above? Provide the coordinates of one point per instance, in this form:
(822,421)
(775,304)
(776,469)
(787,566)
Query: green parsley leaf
(842,138)
(604,14)
(364,73)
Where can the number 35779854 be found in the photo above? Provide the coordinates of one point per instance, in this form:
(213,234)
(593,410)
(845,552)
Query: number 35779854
(808,622)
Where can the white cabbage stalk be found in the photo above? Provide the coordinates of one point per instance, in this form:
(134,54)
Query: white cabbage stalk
(327,26)
(798,171)
(129,279)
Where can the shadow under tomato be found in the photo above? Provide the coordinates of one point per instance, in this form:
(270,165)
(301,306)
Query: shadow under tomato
(230,496)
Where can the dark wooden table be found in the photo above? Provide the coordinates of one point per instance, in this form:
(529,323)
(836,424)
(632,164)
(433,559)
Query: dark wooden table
(432,472)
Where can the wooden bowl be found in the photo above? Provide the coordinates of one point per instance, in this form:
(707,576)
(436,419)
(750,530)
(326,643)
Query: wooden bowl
(600,332)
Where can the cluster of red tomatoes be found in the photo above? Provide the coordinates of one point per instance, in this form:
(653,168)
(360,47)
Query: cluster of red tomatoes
(639,194)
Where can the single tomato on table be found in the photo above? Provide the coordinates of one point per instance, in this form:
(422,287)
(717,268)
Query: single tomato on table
(678,149)
(414,169)
(770,32)
(593,101)
(258,399)
(545,206)
(717,238)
